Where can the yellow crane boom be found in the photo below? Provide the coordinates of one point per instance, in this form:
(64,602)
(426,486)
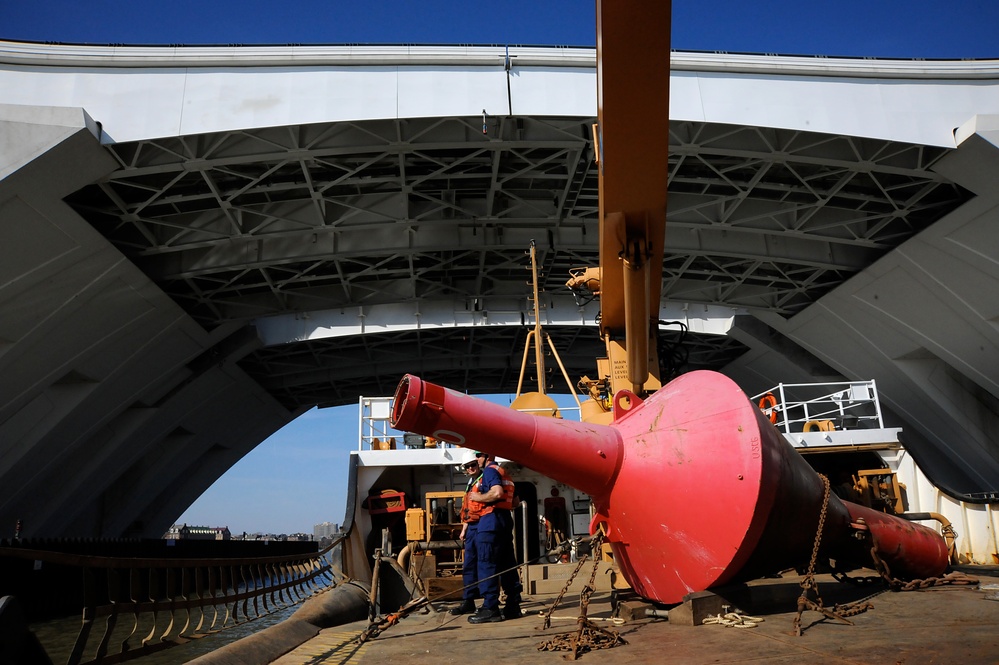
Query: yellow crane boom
(632,140)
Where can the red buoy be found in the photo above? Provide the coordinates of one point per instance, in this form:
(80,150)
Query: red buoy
(694,487)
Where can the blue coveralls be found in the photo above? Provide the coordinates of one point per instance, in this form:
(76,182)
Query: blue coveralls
(469,568)
(490,546)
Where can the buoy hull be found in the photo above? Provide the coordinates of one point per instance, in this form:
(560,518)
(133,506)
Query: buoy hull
(694,487)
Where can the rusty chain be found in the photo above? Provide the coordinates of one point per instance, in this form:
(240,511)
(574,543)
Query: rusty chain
(841,612)
(588,636)
(955,578)
(808,583)
(558,599)
(584,595)
(376,626)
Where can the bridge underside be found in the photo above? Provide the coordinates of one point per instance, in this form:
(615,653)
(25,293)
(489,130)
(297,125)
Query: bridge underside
(168,304)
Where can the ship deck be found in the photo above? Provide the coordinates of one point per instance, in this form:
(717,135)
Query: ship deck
(939,624)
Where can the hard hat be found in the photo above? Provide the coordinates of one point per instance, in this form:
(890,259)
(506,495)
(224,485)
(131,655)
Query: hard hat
(498,460)
(468,457)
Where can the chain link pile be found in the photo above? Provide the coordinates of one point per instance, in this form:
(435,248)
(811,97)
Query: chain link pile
(588,636)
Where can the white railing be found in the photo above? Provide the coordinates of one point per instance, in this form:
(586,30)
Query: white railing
(375,429)
(797,407)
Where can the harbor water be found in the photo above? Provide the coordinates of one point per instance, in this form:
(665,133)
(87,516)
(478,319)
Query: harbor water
(58,637)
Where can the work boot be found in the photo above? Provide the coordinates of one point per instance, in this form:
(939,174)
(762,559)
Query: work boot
(466,607)
(485,616)
(512,611)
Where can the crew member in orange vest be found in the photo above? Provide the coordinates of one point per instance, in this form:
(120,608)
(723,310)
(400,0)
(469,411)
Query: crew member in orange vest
(493,538)
(471,511)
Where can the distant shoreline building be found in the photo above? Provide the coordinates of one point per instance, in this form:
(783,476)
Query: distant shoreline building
(185,532)
(325,530)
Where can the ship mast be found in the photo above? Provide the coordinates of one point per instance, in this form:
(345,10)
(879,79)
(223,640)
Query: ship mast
(539,403)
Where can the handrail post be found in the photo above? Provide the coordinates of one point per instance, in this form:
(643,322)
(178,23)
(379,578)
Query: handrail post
(877,402)
(89,593)
(783,402)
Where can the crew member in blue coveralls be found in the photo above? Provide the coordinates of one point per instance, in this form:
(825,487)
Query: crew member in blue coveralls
(470,514)
(494,531)
(510,579)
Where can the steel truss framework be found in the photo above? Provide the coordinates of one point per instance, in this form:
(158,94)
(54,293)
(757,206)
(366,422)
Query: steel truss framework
(247,224)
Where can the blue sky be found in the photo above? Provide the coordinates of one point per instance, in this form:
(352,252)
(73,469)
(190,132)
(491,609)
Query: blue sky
(877,28)
(297,477)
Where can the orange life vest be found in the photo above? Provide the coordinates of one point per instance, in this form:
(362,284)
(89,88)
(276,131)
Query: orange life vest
(471,511)
(506,501)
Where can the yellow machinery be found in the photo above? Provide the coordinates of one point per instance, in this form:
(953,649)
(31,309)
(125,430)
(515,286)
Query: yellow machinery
(631,143)
(880,489)
(436,554)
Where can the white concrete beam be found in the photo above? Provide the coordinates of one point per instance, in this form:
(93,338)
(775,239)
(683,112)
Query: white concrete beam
(559,311)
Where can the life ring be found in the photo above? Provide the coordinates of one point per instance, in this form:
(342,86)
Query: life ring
(769,402)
